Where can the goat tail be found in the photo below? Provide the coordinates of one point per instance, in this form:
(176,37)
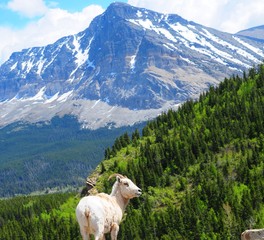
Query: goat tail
(87,215)
(87,212)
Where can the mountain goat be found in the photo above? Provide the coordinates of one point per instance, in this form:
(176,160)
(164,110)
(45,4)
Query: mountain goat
(102,213)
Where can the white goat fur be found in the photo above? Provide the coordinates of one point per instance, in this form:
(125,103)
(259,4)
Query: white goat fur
(102,213)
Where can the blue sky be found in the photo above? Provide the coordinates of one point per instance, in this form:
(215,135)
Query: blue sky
(15,19)
(29,23)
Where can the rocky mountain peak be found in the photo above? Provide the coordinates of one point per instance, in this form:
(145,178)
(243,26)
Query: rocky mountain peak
(128,58)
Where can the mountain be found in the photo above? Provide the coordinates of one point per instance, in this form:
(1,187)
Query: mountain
(254,33)
(128,66)
(200,169)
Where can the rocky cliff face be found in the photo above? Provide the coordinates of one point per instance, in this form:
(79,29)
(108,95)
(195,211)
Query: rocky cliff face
(129,60)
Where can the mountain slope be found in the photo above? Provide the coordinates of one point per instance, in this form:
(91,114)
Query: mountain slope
(200,168)
(129,58)
(255,32)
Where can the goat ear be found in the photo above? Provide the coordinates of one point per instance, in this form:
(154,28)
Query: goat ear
(118,179)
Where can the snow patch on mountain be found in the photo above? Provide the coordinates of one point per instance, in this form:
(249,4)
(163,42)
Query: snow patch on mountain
(132,62)
(65,96)
(52,99)
(146,24)
(253,49)
(13,67)
(40,64)
(80,55)
(186,33)
(39,95)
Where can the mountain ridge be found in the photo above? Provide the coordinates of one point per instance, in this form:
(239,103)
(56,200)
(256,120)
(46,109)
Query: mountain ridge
(254,33)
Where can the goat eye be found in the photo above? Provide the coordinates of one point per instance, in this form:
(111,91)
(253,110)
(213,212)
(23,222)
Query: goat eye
(126,184)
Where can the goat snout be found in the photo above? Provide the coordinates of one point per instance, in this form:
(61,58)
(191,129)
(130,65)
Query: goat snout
(139,192)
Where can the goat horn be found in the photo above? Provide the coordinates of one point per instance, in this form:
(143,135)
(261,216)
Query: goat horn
(90,182)
(115,175)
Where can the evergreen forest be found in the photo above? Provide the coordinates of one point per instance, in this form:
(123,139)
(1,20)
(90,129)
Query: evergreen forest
(201,169)
(36,157)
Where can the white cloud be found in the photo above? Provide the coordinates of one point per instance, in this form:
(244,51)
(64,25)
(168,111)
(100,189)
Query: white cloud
(7,36)
(28,8)
(225,15)
(55,23)
(243,15)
